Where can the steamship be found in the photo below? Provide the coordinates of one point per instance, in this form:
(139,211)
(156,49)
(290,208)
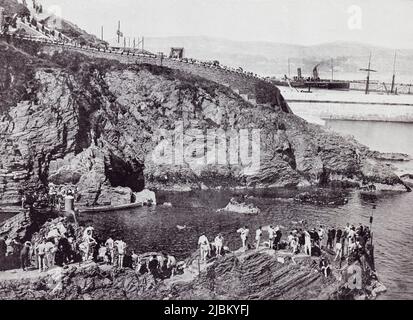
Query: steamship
(312,82)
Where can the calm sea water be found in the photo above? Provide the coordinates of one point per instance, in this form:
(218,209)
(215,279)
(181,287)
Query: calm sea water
(378,135)
(155,229)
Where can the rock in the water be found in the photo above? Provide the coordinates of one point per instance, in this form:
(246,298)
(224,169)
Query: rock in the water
(147,197)
(234,206)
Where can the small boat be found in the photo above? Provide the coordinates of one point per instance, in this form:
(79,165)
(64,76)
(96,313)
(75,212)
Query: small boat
(110,208)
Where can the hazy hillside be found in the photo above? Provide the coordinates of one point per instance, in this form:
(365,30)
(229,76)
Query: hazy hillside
(12,6)
(272,58)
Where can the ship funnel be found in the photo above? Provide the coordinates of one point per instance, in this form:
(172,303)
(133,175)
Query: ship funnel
(299,73)
(315,72)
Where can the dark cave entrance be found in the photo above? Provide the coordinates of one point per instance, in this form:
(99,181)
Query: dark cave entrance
(123,173)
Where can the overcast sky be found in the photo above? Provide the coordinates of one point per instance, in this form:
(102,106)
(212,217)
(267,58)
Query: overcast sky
(387,23)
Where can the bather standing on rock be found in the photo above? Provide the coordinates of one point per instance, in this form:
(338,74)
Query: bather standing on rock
(258,235)
(307,243)
(219,242)
(41,253)
(121,246)
(244,232)
(110,250)
(338,250)
(204,247)
(271,235)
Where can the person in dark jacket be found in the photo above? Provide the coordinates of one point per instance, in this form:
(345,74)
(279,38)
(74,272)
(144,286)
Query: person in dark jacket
(153,265)
(3,250)
(25,255)
(277,239)
(339,234)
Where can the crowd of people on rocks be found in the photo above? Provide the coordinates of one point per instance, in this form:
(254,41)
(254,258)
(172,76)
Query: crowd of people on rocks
(62,243)
(54,197)
(340,243)
(57,195)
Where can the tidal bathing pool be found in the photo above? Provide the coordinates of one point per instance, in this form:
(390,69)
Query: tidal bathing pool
(156,228)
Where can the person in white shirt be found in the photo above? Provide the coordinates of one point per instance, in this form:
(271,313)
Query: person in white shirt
(294,244)
(321,233)
(338,250)
(204,247)
(89,242)
(307,243)
(61,228)
(271,235)
(258,235)
(51,250)
(41,253)
(244,232)
(171,264)
(53,233)
(219,242)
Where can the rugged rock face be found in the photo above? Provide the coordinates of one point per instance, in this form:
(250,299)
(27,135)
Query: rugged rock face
(100,125)
(241,276)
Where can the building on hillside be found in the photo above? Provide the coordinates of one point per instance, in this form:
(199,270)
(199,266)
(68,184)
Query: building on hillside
(177,53)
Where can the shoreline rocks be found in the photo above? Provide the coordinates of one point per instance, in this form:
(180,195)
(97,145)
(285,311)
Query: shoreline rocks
(251,275)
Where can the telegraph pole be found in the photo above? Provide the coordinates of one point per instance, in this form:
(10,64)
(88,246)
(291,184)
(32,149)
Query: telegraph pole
(118,31)
(101,33)
(394,73)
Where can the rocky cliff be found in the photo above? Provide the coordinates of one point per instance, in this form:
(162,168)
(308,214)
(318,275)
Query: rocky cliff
(99,124)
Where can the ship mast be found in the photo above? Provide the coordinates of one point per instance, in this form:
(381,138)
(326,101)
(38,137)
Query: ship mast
(394,73)
(332,70)
(368,74)
(289,68)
